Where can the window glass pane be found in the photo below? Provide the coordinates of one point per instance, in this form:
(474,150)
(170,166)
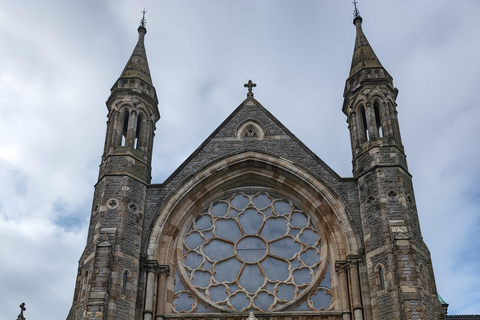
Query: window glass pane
(239,301)
(251,278)
(274,228)
(203,222)
(218,293)
(227,270)
(282,207)
(193,240)
(286,291)
(239,201)
(275,269)
(219,209)
(327,281)
(183,302)
(250,221)
(251,249)
(321,300)
(310,257)
(193,260)
(227,229)
(267,212)
(264,300)
(284,248)
(309,237)
(217,250)
(200,278)
(302,276)
(261,201)
(299,219)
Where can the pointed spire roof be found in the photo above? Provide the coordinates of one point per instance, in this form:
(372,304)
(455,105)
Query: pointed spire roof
(363,55)
(137,65)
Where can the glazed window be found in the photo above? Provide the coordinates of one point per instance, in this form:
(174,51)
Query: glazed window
(251,252)
(124,283)
(382,280)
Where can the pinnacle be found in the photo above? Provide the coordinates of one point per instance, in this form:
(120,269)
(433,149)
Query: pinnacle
(363,54)
(137,65)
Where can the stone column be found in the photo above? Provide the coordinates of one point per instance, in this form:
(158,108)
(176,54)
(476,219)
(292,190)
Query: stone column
(356,298)
(151,266)
(116,136)
(164,272)
(371,123)
(344,296)
(153,300)
(132,129)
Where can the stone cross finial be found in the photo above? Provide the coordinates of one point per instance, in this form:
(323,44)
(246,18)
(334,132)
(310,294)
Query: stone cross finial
(143,22)
(250,85)
(22,308)
(356,13)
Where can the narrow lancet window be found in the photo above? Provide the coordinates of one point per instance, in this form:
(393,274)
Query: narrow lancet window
(124,283)
(138,132)
(378,120)
(363,125)
(382,281)
(125,129)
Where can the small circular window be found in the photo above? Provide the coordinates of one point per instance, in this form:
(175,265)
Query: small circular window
(249,252)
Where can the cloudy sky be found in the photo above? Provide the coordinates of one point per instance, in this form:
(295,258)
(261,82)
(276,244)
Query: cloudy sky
(60,58)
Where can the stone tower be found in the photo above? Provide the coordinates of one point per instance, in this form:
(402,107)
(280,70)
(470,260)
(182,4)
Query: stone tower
(253,220)
(399,268)
(110,265)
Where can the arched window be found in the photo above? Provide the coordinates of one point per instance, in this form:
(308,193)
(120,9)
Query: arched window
(363,129)
(382,280)
(378,120)
(250,130)
(125,129)
(138,132)
(124,283)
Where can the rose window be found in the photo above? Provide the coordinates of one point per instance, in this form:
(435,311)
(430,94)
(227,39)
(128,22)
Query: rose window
(251,252)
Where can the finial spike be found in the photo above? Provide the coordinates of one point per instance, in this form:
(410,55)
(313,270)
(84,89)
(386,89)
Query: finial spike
(356,13)
(143,22)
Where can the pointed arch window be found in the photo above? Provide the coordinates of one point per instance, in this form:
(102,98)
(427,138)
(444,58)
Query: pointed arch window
(378,120)
(125,128)
(124,283)
(138,131)
(250,130)
(381,278)
(363,129)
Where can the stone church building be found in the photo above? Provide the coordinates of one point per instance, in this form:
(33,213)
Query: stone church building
(253,223)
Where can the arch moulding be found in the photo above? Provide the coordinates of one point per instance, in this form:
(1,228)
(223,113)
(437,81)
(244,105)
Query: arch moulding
(245,171)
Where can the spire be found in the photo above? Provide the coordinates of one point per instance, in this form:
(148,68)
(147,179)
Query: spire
(137,65)
(363,55)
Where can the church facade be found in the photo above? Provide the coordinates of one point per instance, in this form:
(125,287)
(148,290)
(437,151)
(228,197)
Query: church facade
(253,222)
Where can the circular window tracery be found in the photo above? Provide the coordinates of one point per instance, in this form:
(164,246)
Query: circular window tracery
(250,252)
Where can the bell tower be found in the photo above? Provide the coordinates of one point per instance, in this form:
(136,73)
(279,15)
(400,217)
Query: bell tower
(399,268)
(107,285)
